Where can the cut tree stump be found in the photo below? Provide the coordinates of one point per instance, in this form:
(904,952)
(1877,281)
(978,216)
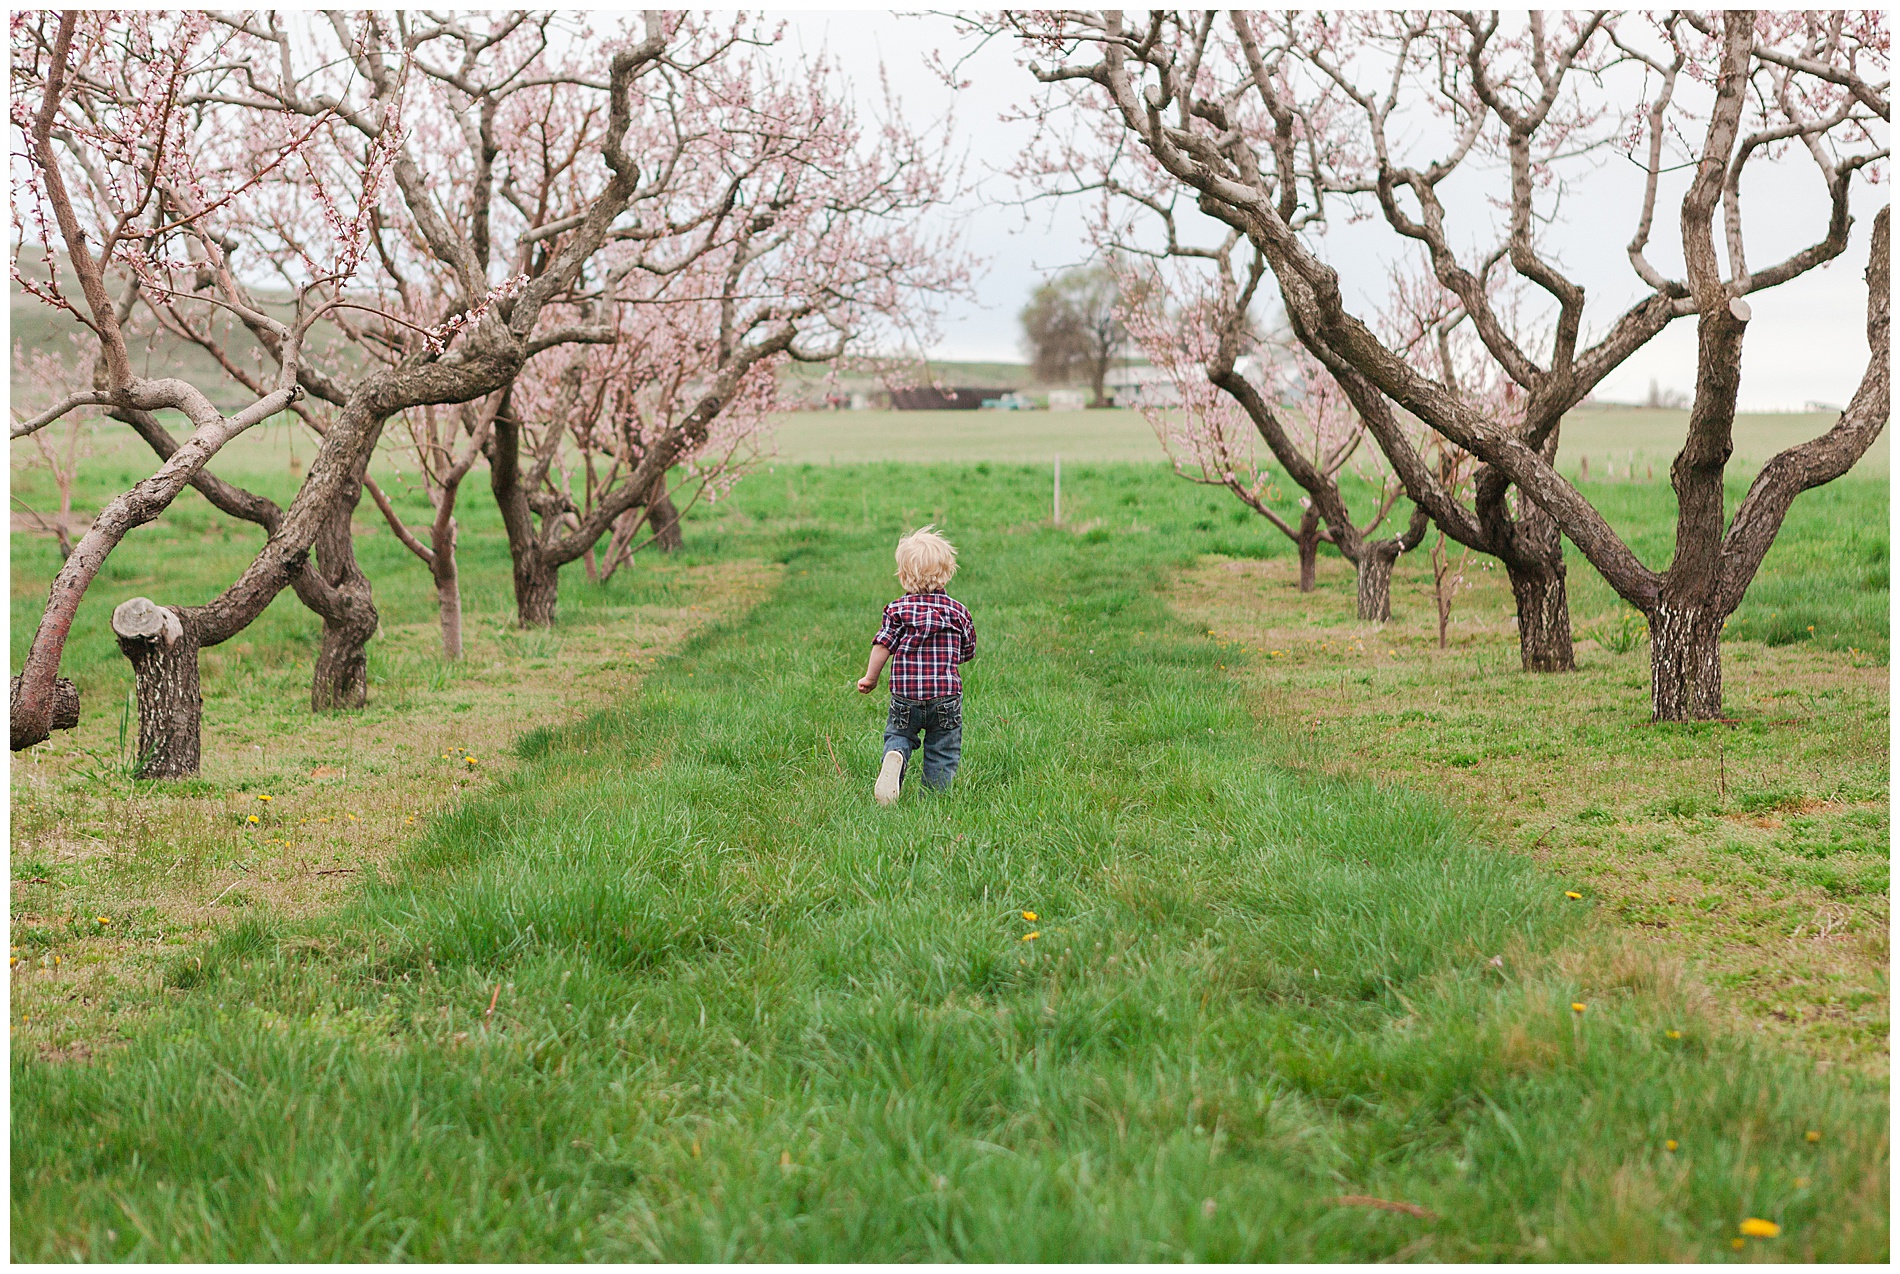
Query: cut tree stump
(165,673)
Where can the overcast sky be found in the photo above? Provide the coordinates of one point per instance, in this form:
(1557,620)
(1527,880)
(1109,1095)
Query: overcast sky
(1807,341)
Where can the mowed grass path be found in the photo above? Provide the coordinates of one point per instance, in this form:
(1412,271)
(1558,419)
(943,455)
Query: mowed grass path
(740,1012)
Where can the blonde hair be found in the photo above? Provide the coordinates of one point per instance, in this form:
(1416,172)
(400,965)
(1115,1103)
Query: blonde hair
(925,560)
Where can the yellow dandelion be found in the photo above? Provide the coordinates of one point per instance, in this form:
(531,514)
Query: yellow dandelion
(104,920)
(1571,893)
(12,960)
(1674,1035)
(1738,1244)
(250,818)
(262,797)
(1756,1228)
(1576,1008)
(1032,935)
(1813,1135)
(471,760)
(351,817)
(1670,1145)
(1031,917)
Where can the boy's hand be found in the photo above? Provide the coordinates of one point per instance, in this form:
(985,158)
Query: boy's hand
(873,669)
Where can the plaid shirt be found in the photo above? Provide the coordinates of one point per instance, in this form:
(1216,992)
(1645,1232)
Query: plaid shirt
(928,635)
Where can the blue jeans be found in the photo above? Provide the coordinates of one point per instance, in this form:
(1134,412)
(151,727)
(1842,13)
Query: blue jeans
(940,723)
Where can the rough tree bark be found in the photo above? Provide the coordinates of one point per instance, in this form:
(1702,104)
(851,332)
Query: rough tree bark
(537,591)
(1532,551)
(536,580)
(1373,591)
(1544,640)
(1307,541)
(1685,666)
(340,679)
(448,585)
(164,658)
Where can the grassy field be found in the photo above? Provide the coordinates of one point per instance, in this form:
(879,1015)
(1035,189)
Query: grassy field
(1614,440)
(666,984)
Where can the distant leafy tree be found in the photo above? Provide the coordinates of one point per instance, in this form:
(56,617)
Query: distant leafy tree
(1073,329)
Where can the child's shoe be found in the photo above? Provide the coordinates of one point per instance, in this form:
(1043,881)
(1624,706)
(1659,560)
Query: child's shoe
(890,778)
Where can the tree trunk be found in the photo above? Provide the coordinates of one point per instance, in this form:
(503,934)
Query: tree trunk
(448,598)
(537,581)
(1685,662)
(1308,544)
(341,678)
(1375,581)
(448,583)
(164,657)
(664,519)
(1543,616)
(537,588)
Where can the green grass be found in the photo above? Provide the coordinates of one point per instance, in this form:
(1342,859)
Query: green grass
(745,1014)
(1649,439)
(1757,849)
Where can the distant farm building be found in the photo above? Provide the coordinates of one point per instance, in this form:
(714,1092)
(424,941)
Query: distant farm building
(1141,387)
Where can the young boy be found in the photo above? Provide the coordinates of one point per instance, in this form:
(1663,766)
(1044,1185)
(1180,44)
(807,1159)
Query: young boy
(926,634)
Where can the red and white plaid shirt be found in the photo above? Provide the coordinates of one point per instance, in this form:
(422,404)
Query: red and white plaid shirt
(928,635)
